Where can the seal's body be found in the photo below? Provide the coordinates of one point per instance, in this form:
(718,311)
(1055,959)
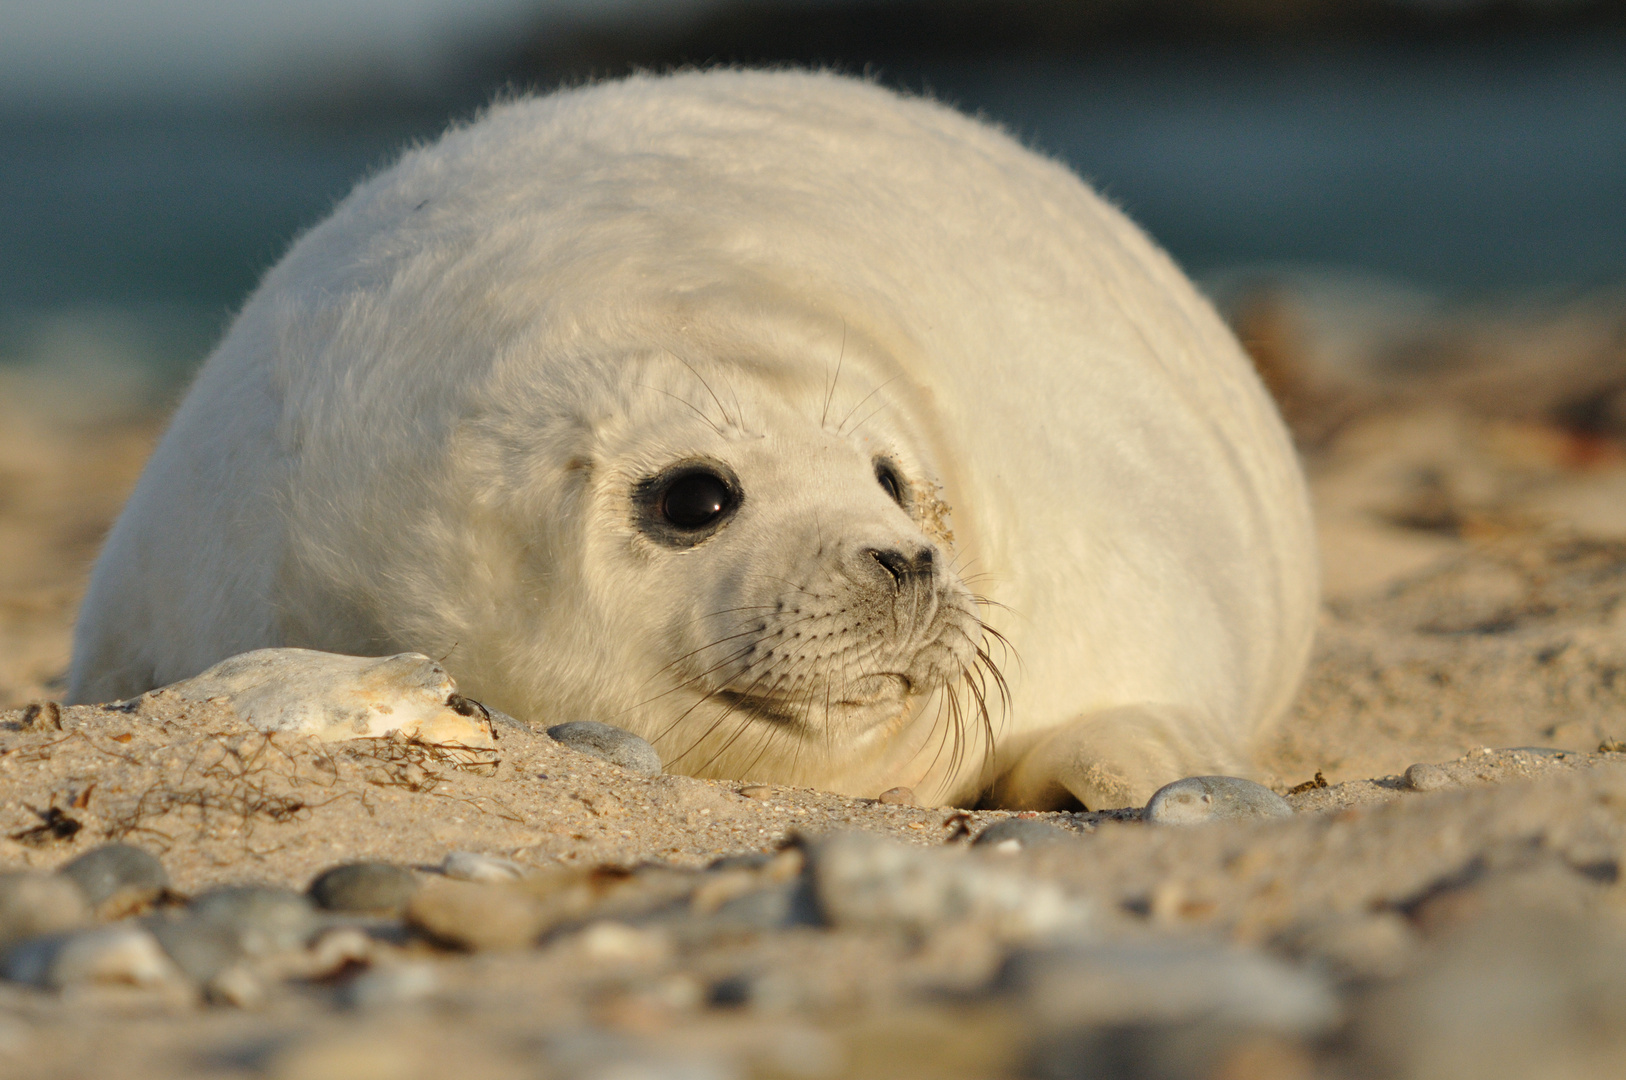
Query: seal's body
(772,416)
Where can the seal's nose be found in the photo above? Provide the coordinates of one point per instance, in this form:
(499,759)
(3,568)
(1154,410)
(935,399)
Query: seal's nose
(905,569)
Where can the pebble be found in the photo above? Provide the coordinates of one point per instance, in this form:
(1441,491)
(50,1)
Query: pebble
(199,948)
(1526,993)
(1013,834)
(472,866)
(337,948)
(118,877)
(759,792)
(1424,777)
(1198,799)
(475,915)
(394,985)
(266,920)
(1157,982)
(868,881)
(372,887)
(237,986)
(898,796)
(123,953)
(612,744)
(33,904)
(1361,945)
(613,942)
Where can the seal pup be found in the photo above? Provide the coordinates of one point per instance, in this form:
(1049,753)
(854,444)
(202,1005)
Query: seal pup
(817,434)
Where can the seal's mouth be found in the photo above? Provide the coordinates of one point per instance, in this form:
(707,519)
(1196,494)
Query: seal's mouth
(862,693)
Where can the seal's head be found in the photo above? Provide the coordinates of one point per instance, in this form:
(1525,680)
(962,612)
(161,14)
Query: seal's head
(741,565)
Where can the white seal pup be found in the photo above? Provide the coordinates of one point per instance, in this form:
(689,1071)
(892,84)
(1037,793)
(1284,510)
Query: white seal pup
(817,434)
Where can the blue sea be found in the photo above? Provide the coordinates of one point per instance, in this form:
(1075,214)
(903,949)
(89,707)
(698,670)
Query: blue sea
(129,234)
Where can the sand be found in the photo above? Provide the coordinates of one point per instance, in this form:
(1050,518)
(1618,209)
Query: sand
(1472,514)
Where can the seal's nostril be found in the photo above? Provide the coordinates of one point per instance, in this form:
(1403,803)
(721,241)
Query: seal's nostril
(902,566)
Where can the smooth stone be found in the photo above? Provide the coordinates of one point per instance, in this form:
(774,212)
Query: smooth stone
(266,920)
(123,953)
(372,887)
(1197,799)
(333,697)
(1527,993)
(199,948)
(862,880)
(120,872)
(612,744)
(1424,777)
(33,904)
(898,796)
(394,985)
(473,866)
(1014,834)
(476,916)
(1157,982)
(237,986)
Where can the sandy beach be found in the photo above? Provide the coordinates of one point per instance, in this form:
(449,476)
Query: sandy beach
(1468,468)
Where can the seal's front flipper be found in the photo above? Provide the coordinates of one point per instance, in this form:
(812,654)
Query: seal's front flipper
(1116,758)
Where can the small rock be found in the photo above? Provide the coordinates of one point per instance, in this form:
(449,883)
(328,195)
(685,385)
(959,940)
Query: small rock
(1013,834)
(864,880)
(339,948)
(759,792)
(1141,983)
(618,943)
(472,866)
(1198,799)
(266,920)
(237,986)
(476,916)
(1366,945)
(1423,777)
(117,878)
(898,796)
(612,744)
(394,985)
(34,904)
(1525,993)
(199,948)
(372,887)
(123,953)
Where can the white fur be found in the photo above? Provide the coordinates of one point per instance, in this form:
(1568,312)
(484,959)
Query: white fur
(423,431)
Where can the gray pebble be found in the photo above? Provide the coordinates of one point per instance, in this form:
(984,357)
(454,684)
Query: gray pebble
(1140,983)
(266,920)
(861,880)
(1198,799)
(618,747)
(1015,833)
(394,985)
(1423,777)
(473,866)
(373,887)
(33,904)
(122,953)
(133,876)
(199,948)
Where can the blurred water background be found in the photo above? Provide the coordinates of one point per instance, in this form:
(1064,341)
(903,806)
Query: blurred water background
(156,156)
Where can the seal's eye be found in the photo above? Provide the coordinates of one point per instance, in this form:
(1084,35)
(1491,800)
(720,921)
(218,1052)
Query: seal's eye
(891,481)
(685,504)
(695,500)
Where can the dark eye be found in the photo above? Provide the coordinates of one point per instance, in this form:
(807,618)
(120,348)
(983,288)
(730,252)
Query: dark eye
(687,503)
(891,481)
(695,500)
